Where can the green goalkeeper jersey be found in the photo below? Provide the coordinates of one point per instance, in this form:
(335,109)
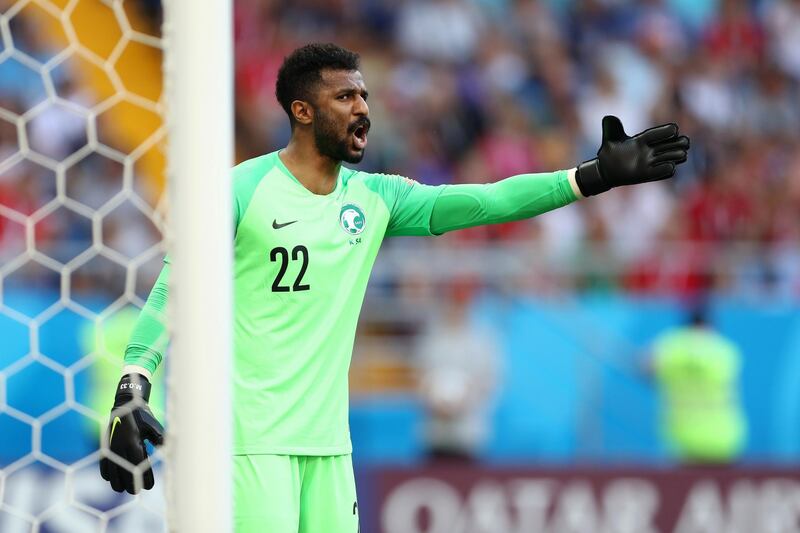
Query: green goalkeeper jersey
(301,266)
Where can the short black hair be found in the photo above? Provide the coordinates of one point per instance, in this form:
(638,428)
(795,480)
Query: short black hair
(301,71)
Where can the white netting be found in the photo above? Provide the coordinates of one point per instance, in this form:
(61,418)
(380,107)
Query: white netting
(81,180)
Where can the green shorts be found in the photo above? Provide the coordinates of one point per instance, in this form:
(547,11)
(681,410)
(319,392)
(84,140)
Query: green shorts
(294,494)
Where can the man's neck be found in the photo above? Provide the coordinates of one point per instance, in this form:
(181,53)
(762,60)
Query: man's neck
(314,171)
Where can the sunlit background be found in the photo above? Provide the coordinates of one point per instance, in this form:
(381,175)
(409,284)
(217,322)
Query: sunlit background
(518,378)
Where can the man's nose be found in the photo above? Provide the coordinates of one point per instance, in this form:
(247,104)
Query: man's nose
(360,107)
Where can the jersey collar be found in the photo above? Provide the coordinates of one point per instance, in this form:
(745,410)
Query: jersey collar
(288,173)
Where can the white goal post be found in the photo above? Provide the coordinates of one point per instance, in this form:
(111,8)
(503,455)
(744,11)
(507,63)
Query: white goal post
(198,79)
(82,211)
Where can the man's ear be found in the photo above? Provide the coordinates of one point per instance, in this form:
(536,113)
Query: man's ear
(302,112)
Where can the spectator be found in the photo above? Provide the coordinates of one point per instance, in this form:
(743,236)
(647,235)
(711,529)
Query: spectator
(782,19)
(439,30)
(458,362)
(697,371)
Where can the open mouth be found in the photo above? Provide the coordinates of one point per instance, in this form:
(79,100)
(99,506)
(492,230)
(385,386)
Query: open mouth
(360,137)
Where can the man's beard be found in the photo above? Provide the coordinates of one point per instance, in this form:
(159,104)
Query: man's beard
(330,144)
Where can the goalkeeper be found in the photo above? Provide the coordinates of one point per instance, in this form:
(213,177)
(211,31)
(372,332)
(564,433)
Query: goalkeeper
(307,231)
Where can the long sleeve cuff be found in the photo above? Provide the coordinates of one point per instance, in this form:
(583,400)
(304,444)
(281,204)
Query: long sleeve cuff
(149,338)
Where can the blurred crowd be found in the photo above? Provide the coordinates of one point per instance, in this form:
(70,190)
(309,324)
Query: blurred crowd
(89,223)
(472,91)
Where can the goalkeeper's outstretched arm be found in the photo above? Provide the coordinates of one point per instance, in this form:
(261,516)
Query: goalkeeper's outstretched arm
(514,198)
(621,160)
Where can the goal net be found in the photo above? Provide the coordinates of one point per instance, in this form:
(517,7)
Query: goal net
(85,116)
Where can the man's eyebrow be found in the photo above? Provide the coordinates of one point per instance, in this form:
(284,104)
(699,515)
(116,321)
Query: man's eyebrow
(353,90)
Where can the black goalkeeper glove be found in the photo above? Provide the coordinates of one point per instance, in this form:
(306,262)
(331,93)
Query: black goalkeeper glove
(621,160)
(131,424)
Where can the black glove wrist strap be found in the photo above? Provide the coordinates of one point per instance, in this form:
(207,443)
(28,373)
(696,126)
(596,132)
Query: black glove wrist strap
(589,179)
(133,386)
